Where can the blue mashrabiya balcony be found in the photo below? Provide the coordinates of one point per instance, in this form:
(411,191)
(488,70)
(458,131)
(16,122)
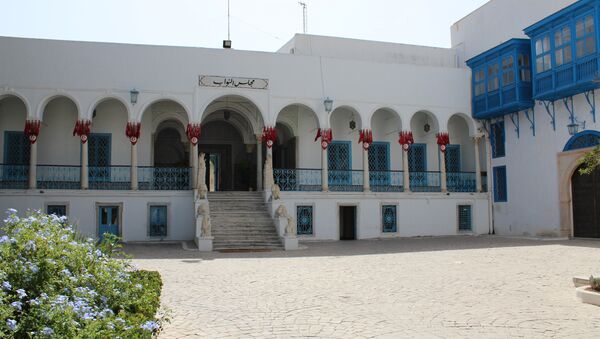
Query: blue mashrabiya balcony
(501,80)
(565,52)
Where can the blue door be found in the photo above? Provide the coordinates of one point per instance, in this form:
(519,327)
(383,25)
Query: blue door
(99,157)
(339,160)
(379,164)
(15,169)
(417,165)
(108,220)
(453,176)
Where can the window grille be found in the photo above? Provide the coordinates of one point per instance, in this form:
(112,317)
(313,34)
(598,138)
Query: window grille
(465,220)
(304,217)
(498,139)
(389,218)
(158,221)
(500,193)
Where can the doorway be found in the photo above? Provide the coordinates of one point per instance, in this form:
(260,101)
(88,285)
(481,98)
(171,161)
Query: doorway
(108,221)
(347,222)
(586,204)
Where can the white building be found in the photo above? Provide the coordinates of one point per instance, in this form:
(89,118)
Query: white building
(143,114)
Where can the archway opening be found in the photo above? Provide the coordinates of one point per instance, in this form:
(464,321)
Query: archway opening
(170,146)
(231,126)
(585,192)
(14,145)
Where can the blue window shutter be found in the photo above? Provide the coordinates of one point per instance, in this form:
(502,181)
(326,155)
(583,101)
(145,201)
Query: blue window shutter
(389,218)
(453,158)
(158,221)
(465,218)
(304,217)
(500,186)
(16,148)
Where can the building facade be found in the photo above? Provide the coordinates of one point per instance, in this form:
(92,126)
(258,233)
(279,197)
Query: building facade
(364,139)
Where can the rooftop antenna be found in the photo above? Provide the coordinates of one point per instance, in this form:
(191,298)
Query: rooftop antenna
(304,16)
(227,43)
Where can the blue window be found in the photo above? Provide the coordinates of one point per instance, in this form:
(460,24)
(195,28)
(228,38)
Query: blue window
(543,58)
(389,218)
(501,80)
(99,156)
(304,215)
(417,158)
(158,221)
(585,36)
(500,194)
(453,158)
(379,164)
(465,220)
(58,210)
(581,140)
(497,139)
(339,154)
(16,148)
(562,46)
(565,52)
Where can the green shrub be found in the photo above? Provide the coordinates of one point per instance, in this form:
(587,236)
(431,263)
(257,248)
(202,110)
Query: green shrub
(55,283)
(595,283)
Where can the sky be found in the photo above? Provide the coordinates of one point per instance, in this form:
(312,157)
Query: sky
(259,25)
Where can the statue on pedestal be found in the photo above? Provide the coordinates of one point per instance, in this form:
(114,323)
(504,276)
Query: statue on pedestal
(204,211)
(290,228)
(201,179)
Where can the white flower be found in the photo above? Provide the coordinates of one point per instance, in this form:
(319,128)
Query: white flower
(47,331)
(11,211)
(21,293)
(149,326)
(12,324)
(17,305)
(6,286)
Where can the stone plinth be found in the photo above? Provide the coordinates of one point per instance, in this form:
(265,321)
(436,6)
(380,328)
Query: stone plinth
(205,244)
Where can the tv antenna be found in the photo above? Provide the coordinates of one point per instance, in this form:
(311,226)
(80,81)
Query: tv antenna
(227,43)
(304,16)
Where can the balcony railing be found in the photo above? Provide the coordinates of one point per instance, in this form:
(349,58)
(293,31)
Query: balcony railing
(164,178)
(461,182)
(14,176)
(58,177)
(298,179)
(386,181)
(345,181)
(114,178)
(425,181)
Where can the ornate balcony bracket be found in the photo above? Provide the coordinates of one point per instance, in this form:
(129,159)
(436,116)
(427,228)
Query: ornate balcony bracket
(530,115)
(514,117)
(590,97)
(551,113)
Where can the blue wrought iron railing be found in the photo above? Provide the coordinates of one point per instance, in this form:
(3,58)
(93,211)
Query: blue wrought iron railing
(14,176)
(345,181)
(164,178)
(299,179)
(425,181)
(461,182)
(110,177)
(58,177)
(386,181)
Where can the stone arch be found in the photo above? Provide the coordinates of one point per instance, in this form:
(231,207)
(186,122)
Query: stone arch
(352,110)
(52,97)
(7,94)
(568,163)
(582,140)
(147,105)
(387,110)
(431,119)
(306,106)
(239,103)
(467,119)
(105,98)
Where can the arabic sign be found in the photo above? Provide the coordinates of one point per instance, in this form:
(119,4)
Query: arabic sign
(233,82)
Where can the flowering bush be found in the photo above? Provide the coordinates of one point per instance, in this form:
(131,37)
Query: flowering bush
(54,283)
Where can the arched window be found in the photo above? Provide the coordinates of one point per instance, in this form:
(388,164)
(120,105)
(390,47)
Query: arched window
(581,140)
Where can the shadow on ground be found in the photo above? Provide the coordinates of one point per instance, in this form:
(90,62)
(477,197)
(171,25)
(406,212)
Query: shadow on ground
(351,248)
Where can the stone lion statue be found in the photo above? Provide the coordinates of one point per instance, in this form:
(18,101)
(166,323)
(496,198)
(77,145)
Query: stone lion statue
(276,192)
(202,188)
(290,228)
(204,211)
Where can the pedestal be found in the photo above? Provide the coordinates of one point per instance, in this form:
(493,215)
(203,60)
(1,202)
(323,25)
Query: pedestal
(290,243)
(205,244)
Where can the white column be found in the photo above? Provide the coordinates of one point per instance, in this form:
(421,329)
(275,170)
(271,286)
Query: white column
(366,183)
(259,164)
(443,184)
(405,171)
(33,166)
(268,180)
(194,165)
(477,164)
(84,166)
(324,171)
(134,167)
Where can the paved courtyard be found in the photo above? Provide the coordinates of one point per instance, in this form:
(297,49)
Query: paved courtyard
(406,288)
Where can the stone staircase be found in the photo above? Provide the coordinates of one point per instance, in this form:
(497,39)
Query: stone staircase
(240,221)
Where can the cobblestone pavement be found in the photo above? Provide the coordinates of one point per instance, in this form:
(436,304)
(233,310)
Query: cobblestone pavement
(404,288)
